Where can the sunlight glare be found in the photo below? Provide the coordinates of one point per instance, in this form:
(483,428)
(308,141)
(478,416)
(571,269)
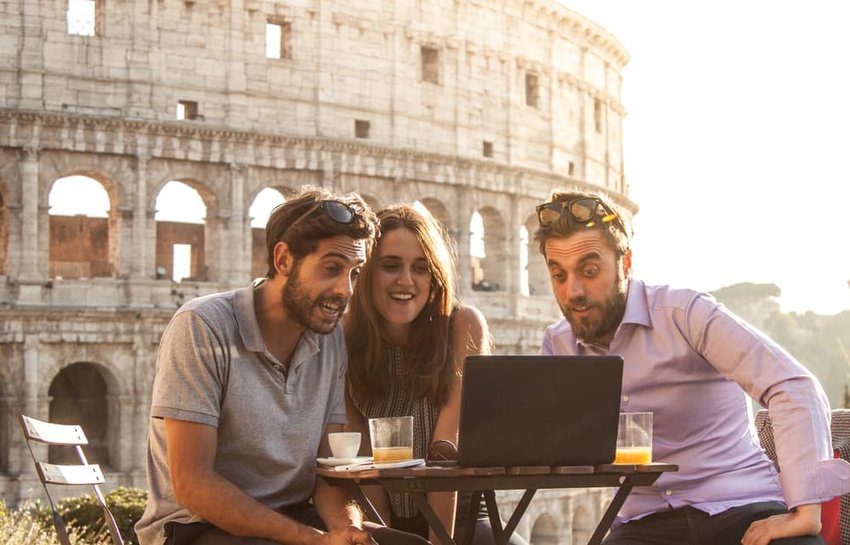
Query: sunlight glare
(180,203)
(78,195)
(265,201)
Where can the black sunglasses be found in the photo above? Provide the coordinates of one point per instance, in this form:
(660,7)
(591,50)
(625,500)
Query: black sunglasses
(583,210)
(337,211)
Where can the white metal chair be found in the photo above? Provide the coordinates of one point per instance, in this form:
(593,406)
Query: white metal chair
(53,474)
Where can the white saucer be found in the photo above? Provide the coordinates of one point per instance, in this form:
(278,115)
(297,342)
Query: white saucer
(332,462)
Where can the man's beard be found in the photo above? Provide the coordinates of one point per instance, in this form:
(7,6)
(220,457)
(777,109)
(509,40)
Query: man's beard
(302,309)
(612,309)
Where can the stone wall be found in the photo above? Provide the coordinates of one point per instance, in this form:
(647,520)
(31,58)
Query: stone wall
(471,106)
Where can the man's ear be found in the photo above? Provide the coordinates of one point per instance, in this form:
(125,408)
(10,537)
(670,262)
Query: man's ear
(627,263)
(282,259)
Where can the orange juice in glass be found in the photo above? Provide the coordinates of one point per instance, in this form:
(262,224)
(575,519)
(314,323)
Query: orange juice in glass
(634,438)
(633,455)
(391,438)
(392,454)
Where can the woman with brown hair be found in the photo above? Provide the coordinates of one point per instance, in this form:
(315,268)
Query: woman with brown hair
(407,334)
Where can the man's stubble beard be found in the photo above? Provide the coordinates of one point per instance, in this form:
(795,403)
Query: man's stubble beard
(298,305)
(613,308)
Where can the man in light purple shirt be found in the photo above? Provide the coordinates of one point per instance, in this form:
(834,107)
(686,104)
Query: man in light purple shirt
(692,363)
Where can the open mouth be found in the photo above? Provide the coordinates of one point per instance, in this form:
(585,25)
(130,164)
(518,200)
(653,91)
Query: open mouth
(401,296)
(332,307)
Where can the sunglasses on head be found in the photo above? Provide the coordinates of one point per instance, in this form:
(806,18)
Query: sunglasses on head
(582,210)
(337,211)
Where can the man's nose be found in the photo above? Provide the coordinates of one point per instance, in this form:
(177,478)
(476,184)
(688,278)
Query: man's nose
(573,287)
(345,286)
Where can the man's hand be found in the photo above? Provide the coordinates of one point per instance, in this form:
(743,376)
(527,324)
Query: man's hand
(804,520)
(348,536)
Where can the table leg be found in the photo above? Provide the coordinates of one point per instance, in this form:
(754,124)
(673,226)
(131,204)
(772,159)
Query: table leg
(519,512)
(610,513)
(421,501)
(472,517)
(499,537)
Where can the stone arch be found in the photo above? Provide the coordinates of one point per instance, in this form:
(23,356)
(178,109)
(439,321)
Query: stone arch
(197,237)
(440,212)
(544,531)
(489,272)
(537,278)
(259,265)
(582,525)
(83,245)
(79,394)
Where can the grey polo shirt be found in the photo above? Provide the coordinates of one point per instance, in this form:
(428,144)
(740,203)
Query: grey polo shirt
(213,368)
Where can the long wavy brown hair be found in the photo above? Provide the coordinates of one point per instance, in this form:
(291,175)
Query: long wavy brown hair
(429,365)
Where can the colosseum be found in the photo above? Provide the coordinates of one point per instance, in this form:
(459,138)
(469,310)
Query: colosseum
(475,108)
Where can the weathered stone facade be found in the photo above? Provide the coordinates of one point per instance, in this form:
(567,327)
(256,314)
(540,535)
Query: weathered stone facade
(465,105)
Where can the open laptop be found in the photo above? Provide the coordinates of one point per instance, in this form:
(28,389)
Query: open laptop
(539,410)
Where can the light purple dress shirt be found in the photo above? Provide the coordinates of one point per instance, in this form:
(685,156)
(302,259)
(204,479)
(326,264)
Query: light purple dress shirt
(692,363)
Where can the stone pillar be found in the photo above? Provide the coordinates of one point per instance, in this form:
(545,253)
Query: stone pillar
(581,146)
(33,266)
(9,434)
(214,267)
(239,233)
(31,404)
(461,234)
(511,253)
(328,175)
(140,266)
(120,434)
(143,371)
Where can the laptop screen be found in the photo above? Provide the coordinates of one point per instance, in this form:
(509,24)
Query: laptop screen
(539,410)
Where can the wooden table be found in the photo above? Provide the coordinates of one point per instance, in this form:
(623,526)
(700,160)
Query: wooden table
(418,481)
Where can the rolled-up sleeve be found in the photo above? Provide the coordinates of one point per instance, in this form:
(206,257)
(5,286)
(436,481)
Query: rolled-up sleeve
(798,407)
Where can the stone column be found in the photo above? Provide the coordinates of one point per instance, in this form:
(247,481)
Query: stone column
(461,234)
(143,371)
(33,266)
(581,146)
(140,266)
(511,253)
(238,233)
(31,404)
(9,436)
(328,175)
(120,434)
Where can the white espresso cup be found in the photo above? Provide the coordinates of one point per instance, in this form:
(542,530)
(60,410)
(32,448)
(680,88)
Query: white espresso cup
(344,444)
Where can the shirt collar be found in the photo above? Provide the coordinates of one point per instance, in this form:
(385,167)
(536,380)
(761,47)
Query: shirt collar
(637,312)
(637,308)
(249,327)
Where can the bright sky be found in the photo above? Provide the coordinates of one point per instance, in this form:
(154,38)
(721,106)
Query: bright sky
(736,142)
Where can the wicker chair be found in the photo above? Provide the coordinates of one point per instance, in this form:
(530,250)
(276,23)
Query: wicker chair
(835,514)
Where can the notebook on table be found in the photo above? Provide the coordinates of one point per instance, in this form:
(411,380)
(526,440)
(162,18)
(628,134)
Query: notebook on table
(521,410)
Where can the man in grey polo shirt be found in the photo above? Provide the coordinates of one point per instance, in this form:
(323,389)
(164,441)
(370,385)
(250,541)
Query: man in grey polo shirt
(248,383)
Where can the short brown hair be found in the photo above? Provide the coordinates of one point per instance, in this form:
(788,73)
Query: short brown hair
(304,238)
(617,232)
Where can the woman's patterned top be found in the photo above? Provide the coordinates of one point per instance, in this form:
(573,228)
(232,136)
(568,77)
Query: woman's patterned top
(399,401)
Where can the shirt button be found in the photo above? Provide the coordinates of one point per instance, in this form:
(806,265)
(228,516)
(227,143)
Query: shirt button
(668,492)
(626,398)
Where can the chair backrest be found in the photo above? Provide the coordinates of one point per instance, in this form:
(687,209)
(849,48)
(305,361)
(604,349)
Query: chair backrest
(835,514)
(54,474)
